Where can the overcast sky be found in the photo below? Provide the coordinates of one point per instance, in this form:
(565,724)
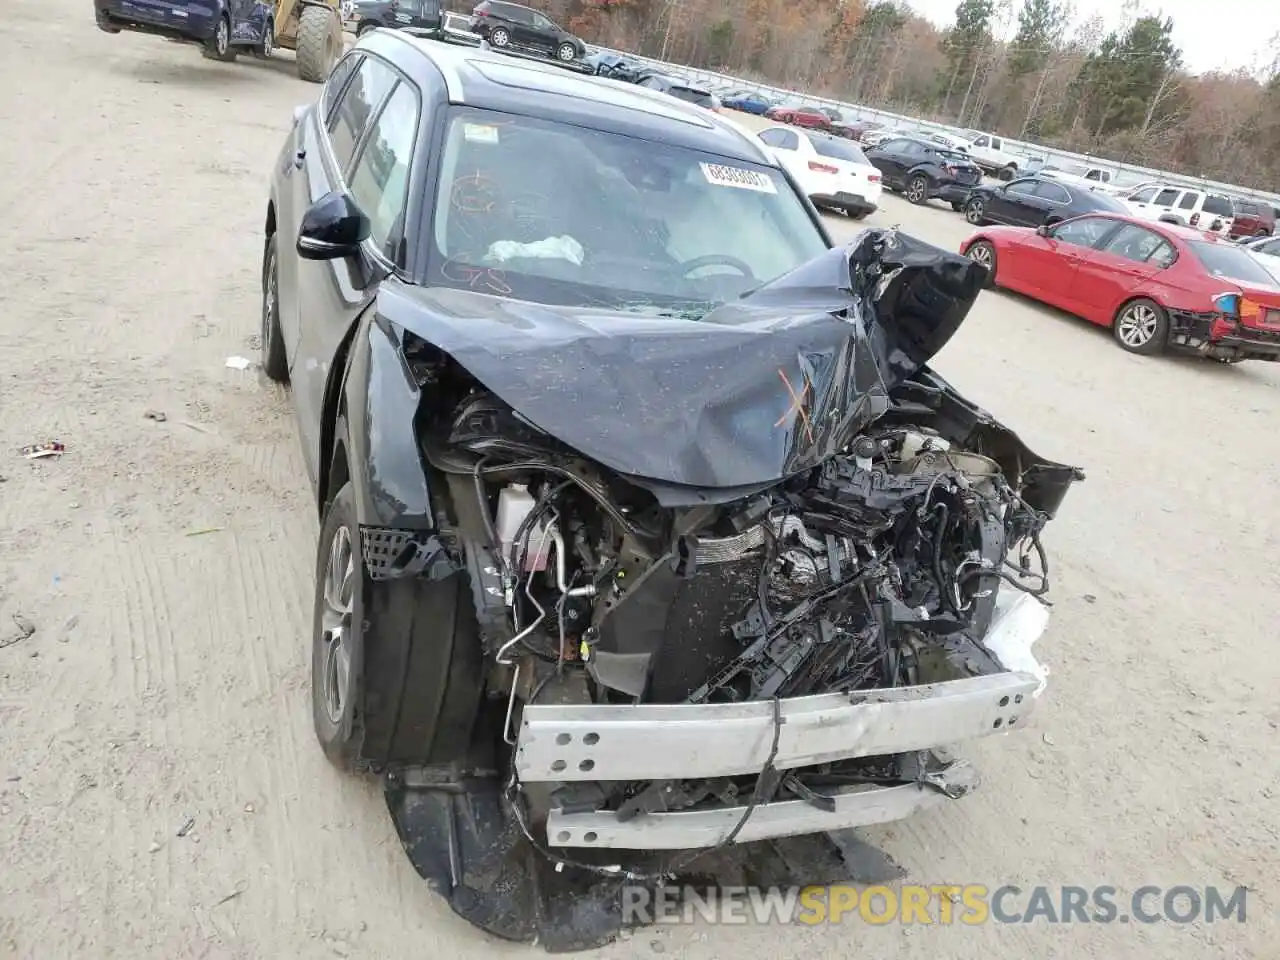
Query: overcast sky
(1213,34)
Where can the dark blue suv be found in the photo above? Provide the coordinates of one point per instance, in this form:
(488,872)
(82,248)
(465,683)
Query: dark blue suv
(223,28)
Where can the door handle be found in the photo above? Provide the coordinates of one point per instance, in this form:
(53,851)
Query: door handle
(300,158)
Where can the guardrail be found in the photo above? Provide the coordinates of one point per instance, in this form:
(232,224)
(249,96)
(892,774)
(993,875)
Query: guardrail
(1053,156)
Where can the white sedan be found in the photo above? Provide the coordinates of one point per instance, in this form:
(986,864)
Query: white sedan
(834,172)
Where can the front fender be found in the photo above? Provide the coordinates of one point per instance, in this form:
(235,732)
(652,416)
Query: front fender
(380,400)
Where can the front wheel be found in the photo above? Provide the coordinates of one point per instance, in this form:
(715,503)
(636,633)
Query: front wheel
(275,363)
(975,212)
(1141,326)
(917,189)
(267,45)
(566,53)
(218,46)
(318,44)
(397,670)
(984,254)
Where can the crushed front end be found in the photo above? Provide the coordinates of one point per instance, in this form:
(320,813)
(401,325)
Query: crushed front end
(765,602)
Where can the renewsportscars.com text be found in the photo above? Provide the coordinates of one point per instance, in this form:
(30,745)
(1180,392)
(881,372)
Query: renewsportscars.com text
(968,904)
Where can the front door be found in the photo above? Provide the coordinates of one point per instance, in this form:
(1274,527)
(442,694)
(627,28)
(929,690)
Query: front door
(1047,266)
(1013,203)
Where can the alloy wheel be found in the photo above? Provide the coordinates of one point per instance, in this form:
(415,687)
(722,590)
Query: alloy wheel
(221,38)
(1137,325)
(268,40)
(973,212)
(499,38)
(338,595)
(566,52)
(980,253)
(915,192)
(270,298)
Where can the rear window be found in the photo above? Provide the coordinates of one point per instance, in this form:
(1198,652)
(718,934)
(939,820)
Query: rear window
(955,156)
(839,149)
(690,95)
(1247,209)
(1217,205)
(1224,260)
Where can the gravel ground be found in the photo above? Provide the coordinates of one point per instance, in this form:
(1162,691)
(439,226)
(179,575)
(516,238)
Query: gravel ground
(157,755)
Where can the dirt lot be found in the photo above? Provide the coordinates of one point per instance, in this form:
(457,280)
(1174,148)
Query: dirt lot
(157,756)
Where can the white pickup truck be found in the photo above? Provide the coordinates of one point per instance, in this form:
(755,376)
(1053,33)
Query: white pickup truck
(985,149)
(1077,174)
(988,151)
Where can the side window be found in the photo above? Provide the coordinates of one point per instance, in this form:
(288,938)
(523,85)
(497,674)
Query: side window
(379,182)
(1163,255)
(895,146)
(981,141)
(1134,243)
(1165,198)
(542,23)
(1084,232)
(790,140)
(1271,247)
(997,143)
(772,137)
(1022,188)
(1188,200)
(371,83)
(338,78)
(1053,192)
(1145,195)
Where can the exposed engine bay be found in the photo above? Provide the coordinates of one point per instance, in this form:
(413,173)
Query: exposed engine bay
(745,577)
(879,568)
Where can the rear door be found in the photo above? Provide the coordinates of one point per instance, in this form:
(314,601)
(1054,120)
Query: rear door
(185,15)
(892,157)
(1140,202)
(1109,275)
(1052,200)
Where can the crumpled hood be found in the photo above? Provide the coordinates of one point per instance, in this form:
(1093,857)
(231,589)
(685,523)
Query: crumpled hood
(757,390)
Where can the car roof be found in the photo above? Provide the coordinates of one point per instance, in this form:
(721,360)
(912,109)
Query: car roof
(1175,230)
(497,81)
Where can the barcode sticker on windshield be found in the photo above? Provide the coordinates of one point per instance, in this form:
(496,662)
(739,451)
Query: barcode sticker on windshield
(723,176)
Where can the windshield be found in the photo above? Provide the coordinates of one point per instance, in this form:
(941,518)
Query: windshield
(839,149)
(1224,260)
(561,214)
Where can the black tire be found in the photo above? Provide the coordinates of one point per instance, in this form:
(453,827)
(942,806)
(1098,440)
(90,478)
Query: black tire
(918,189)
(318,44)
(566,53)
(973,212)
(105,24)
(365,27)
(275,361)
(985,255)
(957,205)
(858,214)
(218,47)
(1141,326)
(414,680)
(499,37)
(267,45)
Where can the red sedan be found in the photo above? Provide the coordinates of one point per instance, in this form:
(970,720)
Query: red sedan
(799,116)
(1157,285)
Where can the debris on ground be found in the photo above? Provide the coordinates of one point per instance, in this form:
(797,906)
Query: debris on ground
(238,363)
(25,629)
(187,827)
(154,848)
(240,888)
(39,451)
(203,530)
(159,416)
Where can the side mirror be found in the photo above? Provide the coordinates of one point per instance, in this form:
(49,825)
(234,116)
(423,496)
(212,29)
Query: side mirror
(332,228)
(1042,231)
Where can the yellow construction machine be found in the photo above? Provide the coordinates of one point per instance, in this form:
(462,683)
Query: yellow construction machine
(313,30)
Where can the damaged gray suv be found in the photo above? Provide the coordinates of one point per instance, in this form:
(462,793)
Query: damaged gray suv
(647,532)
